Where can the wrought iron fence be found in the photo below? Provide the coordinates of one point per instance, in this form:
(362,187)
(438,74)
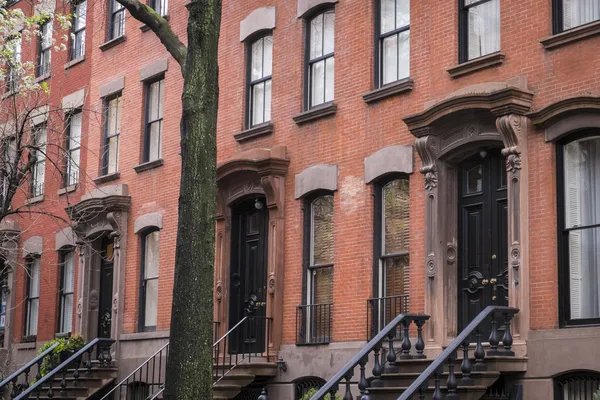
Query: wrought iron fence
(313,323)
(382,310)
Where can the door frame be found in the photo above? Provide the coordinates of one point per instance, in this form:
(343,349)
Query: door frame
(255,172)
(446,139)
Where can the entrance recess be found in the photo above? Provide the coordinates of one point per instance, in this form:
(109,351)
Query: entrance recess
(483,235)
(248,275)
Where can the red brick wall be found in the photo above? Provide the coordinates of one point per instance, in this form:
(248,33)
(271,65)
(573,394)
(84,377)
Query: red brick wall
(356,131)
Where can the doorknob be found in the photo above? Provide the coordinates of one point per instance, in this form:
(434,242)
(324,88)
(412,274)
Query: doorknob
(485,281)
(493,281)
(493,256)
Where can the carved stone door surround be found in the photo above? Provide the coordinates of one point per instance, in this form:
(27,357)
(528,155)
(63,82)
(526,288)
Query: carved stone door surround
(469,121)
(101,213)
(256,172)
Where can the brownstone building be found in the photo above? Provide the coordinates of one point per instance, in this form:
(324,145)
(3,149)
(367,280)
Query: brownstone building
(375,158)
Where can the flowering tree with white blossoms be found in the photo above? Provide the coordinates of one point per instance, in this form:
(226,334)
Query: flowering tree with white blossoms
(29,149)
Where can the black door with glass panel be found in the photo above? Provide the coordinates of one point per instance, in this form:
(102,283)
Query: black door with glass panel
(106,290)
(483,235)
(248,276)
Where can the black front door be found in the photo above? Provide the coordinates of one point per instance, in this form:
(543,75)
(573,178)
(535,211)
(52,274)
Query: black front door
(106,290)
(483,235)
(248,276)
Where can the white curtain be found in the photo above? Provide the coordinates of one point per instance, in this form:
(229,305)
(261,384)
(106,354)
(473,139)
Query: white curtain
(484,29)
(582,201)
(580,12)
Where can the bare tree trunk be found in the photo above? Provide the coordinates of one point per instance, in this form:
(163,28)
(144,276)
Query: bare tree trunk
(189,368)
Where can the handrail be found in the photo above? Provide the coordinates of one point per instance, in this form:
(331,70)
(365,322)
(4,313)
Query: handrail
(155,395)
(222,369)
(27,366)
(364,352)
(50,375)
(423,379)
(229,331)
(124,380)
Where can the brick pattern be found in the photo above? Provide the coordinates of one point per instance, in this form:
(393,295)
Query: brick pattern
(356,131)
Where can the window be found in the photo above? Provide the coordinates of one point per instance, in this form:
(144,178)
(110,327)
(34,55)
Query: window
(73,148)
(315,315)
(116,26)
(393,43)
(320,59)
(259,80)
(579,227)
(160,6)
(149,282)
(479,32)
(392,238)
(67,286)
(78,38)
(577,385)
(154,120)
(38,172)
(113,110)
(570,14)
(33,297)
(4,293)
(13,47)
(44,49)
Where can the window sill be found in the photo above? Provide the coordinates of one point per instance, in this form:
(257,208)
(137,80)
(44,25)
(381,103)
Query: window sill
(62,335)
(28,342)
(572,35)
(111,43)
(107,178)
(254,132)
(34,200)
(67,189)
(149,165)
(318,112)
(389,90)
(42,78)
(74,62)
(144,335)
(146,28)
(488,61)
(325,341)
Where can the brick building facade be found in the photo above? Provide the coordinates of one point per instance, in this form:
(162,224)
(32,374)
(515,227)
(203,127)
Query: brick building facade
(424,159)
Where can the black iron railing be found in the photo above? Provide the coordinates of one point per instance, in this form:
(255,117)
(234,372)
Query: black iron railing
(313,323)
(436,368)
(151,373)
(100,347)
(381,310)
(375,346)
(247,339)
(20,378)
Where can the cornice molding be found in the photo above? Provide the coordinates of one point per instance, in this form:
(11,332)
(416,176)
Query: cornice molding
(547,115)
(504,101)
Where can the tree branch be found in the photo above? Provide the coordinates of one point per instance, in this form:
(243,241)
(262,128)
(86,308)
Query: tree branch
(160,26)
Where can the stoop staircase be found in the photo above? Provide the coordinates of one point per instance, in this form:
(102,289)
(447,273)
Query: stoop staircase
(464,370)
(86,374)
(232,370)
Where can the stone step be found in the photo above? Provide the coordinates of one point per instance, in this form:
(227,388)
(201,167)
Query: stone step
(401,379)
(392,393)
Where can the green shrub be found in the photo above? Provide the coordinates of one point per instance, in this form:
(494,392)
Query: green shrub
(69,345)
(597,395)
(314,391)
